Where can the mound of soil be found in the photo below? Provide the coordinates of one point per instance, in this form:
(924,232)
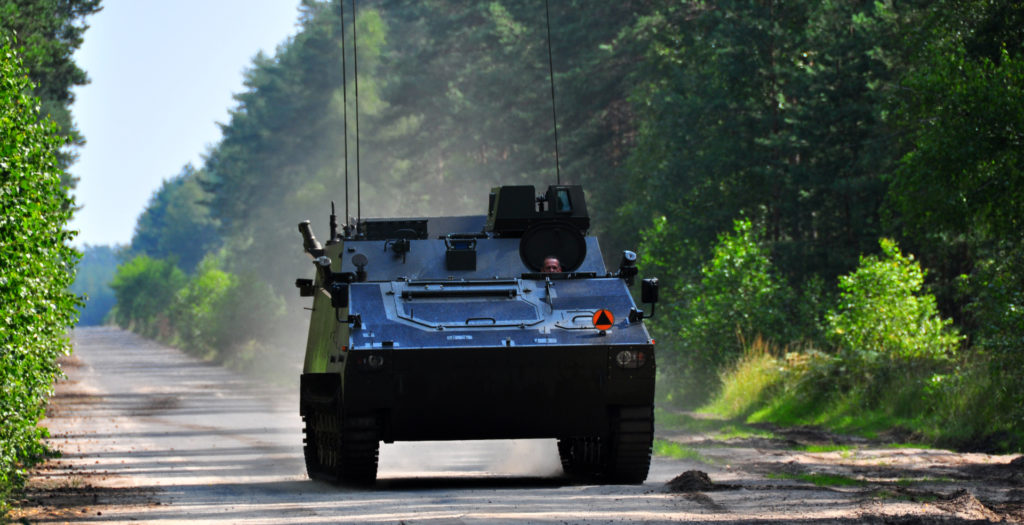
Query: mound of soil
(691,481)
(965,505)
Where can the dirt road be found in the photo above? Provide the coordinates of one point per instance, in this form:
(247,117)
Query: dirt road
(149,434)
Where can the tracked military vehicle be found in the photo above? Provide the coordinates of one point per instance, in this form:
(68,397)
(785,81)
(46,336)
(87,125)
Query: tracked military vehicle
(446,328)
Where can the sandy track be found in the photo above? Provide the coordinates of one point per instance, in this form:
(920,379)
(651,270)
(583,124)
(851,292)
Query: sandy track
(149,434)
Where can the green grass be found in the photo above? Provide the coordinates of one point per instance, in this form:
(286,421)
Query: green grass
(936,405)
(903,496)
(670,420)
(908,445)
(718,428)
(842,414)
(677,451)
(908,482)
(824,448)
(821,480)
(747,383)
(739,431)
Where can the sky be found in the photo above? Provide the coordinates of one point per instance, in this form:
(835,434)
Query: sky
(162,77)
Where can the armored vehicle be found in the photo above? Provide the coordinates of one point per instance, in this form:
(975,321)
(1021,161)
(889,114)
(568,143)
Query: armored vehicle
(446,328)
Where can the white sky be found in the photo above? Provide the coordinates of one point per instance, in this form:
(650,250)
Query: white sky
(163,74)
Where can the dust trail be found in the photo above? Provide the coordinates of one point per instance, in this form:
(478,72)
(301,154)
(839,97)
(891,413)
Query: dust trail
(510,457)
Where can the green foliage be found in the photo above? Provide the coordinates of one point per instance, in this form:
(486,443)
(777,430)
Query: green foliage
(749,382)
(958,192)
(198,311)
(896,363)
(212,313)
(767,110)
(36,267)
(453,99)
(824,448)
(282,153)
(820,480)
(964,171)
(92,282)
(254,327)
(675,450)
(46,34)
(884,320)
(679,116)
(998,285)
(176,223)
(739,298)
(145,288)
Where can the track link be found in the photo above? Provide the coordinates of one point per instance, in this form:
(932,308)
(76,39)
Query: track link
(624,456)
(341,449)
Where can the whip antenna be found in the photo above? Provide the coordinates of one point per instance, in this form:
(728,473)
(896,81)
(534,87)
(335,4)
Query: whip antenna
(344,111)
(554,113)
(355,71)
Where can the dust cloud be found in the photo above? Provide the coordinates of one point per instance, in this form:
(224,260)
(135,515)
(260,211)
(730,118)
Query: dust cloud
(509,457)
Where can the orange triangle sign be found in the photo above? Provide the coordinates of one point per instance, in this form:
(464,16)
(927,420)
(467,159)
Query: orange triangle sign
(603,319)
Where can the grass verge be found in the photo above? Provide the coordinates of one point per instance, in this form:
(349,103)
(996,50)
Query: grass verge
(716,428)
(821,480)
(915,404)
(675,450)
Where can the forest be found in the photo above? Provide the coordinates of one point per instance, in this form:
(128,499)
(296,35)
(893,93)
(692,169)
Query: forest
(830,192)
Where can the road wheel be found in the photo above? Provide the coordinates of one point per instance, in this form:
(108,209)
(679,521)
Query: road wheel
(582,457)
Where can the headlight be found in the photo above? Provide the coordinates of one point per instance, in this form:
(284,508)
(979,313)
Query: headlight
(375,361)
(630,358)
(371,362)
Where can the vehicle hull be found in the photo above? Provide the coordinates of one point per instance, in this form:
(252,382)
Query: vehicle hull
(489,393)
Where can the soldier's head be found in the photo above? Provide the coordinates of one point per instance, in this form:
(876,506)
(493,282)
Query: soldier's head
(551,265)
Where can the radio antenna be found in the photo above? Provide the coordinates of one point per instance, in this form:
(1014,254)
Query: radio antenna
(554,113)
(344,111)
(355,71)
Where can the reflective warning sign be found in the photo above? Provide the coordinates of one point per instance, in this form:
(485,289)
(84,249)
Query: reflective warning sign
(603,319)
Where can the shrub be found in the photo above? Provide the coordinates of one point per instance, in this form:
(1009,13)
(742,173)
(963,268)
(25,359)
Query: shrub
(250,320)
(145,288)
(748,382)
(883,318)
(197,312)
(36,268)
(214,314)
(739,297)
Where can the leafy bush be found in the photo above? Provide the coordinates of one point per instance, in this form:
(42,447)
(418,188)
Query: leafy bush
(214,313)
(197,312)
(997,283)
(987,394)
(36,268)
(883,318)
(223,316)
(893,361)
(145,288)
(739,297)
(251,317)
